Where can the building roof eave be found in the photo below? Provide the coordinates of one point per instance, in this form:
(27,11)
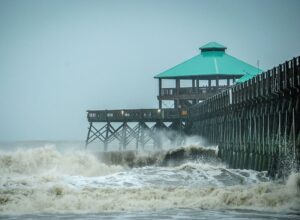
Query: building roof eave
(203,76)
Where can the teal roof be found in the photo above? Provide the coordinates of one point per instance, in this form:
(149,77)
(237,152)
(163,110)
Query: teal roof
(246,77)
(213,60)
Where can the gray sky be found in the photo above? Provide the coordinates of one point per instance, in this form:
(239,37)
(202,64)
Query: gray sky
(59,58)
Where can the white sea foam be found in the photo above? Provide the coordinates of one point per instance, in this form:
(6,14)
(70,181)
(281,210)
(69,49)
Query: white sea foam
(61,198)
(44,180)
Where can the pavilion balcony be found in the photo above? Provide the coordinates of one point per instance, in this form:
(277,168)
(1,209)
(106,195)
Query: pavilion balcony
(200,93)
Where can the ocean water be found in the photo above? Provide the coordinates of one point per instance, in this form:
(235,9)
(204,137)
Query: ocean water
(63,181)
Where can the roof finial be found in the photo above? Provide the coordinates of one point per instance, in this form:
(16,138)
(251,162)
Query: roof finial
(213,46)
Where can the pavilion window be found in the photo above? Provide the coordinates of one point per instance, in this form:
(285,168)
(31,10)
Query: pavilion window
(213,82)
(222,82)
(186,83)
(204,83)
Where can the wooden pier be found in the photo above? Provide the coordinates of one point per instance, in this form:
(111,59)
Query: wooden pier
(255,122)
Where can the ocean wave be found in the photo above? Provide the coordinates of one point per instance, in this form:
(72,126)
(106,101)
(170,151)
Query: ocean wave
(63,199)
(49,160)
(45,180)
(171,157)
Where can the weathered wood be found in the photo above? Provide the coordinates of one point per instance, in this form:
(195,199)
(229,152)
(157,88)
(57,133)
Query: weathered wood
(267,108)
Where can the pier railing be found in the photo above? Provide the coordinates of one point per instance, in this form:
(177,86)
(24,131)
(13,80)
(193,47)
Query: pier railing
(282,81)
(255,123)
(190,92)
(136,115)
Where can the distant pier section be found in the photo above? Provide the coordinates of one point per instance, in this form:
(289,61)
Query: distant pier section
(147,122)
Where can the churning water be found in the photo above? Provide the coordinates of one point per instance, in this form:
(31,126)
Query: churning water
(189,182)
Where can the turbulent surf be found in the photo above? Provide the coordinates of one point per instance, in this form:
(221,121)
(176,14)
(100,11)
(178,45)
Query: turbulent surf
(48,180)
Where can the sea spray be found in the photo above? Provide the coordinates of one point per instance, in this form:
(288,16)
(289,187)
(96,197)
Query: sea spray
(49,160)
(293,183)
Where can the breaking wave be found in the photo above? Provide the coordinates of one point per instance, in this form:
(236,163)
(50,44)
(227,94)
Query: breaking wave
(49,160)
(171,157)
(45,180)
(61,198)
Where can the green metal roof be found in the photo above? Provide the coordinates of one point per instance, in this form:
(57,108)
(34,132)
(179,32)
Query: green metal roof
(245,78)
(213,60)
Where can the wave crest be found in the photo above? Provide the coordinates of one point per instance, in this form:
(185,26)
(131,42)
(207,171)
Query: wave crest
(49,160)
(172,157)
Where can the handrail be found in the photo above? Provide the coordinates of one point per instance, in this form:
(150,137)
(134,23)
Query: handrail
(283,80)
(191,90)
(136,115)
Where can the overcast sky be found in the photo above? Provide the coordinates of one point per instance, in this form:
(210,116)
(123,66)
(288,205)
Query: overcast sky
(59,58)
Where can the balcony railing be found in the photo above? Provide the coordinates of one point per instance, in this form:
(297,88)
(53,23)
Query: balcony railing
(189,92)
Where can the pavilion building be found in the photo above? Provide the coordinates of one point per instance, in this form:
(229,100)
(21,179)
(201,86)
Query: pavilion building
(202,76)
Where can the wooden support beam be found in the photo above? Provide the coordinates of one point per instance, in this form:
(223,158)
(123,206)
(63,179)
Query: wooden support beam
(88,135)
(159,92)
